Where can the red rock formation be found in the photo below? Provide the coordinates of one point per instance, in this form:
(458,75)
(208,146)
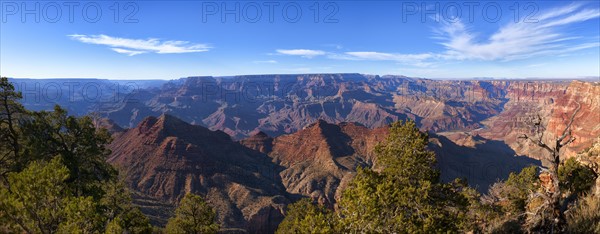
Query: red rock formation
(554,102)
(478,124)
(319,157)
(164,158)
(260,142)
(311,158)
(586,126)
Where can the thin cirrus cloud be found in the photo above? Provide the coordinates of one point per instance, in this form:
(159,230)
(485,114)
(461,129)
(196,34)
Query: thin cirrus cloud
(301,52)
(513,41)
(133,47)
(388,56)
(519,40)
(416,60)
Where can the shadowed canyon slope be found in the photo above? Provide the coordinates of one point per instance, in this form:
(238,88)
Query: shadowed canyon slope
(164,158)
(250,183)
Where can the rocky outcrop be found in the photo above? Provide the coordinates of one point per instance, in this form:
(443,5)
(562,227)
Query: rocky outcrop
(554,102)
(586,125)
(164,158)
(319,157)
(109,125)
(260,142)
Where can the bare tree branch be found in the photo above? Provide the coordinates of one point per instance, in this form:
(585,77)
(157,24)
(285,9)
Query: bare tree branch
(552,211)
(537,142)
(567,131)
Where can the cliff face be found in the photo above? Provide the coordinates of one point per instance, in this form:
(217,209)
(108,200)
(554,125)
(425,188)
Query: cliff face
(554,102)
(165,158)
(586,125)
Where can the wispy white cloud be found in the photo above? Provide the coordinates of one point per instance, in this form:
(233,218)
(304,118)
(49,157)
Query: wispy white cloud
(518,40)
(388,56)
(417,60)
(128,52)
(302,52)
(133,47)
(549,35)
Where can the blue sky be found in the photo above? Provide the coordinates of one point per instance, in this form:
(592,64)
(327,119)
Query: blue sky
(173,39)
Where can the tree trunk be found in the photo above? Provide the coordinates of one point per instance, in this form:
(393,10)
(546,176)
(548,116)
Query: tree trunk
(558,215)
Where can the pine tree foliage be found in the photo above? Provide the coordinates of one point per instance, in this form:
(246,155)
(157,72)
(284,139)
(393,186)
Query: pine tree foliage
(53,174)
(80,145)
(193,216)
(576,178)
(404,195)
(38,201)
(10,113)
(306,217)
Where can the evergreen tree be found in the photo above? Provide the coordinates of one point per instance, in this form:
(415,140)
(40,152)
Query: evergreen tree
(81,146)
(404,193)
(38,201)
(131,221)
(54,174)
(118,210)
(520,185)
(193,216)
(10,113)
(304,216)
(504,206)
(576,178)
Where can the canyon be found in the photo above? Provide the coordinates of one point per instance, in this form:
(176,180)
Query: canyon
(253,144)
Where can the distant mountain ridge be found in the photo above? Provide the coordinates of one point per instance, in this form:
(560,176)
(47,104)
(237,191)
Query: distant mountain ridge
(242,106)
(79,96)
(278,104)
